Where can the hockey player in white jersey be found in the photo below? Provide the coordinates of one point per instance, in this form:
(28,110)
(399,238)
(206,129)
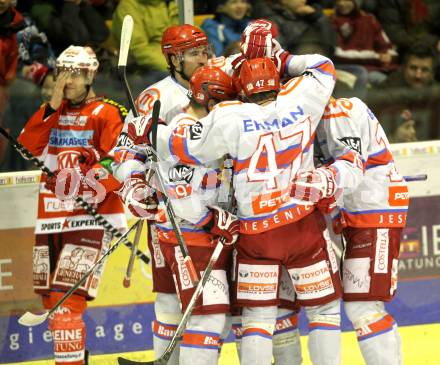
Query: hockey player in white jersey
(371,219)
(192,189)
(185,48)
(267,153)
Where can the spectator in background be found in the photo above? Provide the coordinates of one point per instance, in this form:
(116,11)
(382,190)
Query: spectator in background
(151,18)
(67,22)
(361,42)
(411,21)
(303,29)
(406,130)
(411,87)
(11,21)
(229,21)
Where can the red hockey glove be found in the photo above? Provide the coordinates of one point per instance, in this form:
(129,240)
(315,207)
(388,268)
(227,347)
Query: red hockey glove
(139,129)
(223,224)
(256,40)
(139,197)
(314,185)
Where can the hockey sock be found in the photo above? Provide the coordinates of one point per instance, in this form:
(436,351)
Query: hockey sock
(200,340)
(324,340)
(377,334)
(258,327)
(168,317)
(286,342)
(68,329)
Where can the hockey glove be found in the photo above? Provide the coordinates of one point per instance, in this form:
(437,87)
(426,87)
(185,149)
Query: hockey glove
(314,185)
(139,197)
(223,224)
(256,40)
(139,129)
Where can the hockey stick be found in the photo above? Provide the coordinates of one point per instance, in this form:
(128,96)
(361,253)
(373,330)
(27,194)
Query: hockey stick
(30,319)
(163,360)
(126,32)
(92,211)
(421,177)
(129,272)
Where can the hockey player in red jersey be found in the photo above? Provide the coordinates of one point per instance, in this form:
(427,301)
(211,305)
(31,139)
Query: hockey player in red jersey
(71,132)
(185,48)
(371,218)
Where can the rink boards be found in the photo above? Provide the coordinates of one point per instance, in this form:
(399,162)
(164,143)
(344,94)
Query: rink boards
(120,319)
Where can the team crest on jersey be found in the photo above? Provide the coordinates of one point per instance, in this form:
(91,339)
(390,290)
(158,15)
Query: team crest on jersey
(181,173)
(195,131)
(146,100)
(68,159)
(352,142)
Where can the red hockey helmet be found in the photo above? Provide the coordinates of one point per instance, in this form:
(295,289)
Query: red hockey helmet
(178,38)
(259,75)
(211,82)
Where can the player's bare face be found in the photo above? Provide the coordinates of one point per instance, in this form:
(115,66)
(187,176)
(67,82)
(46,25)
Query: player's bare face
(75,89)
(193,59)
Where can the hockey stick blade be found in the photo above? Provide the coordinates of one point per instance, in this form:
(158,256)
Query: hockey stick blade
(30,319)
(122,361)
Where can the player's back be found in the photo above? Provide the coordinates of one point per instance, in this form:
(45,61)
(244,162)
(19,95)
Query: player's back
(381,199)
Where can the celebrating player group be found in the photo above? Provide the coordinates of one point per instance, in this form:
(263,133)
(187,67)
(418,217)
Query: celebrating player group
(246,172)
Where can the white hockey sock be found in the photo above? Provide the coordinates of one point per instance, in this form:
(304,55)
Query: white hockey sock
(168,315)
(201,340)
(258,327)
(377,334)
(286,342)
(225,332)
(324,341)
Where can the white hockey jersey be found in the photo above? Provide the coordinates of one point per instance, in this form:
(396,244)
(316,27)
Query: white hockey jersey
(381,199)
(266,144)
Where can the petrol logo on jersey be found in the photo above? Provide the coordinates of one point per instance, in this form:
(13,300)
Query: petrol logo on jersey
(398,196)
(68,159)
(267,203)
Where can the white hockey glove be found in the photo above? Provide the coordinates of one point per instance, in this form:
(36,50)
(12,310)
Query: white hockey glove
(312,186)
(223,223)
(139,198)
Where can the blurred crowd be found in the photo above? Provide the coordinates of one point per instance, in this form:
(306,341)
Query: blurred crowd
(386,51)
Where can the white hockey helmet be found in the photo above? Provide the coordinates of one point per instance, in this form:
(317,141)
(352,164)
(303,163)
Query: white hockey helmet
(78,59)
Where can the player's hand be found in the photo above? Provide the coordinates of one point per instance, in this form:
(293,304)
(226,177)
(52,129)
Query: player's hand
(139,129)
(89,157)
(256,40)
(58,90)
(139,198)
(315,185)
(223,223)
(279,56)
